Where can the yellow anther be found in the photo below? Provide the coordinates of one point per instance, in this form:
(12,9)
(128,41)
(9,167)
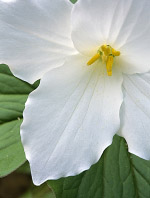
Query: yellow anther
(107,51)
(94,58)
(109,64)
(115,53)
(104,47)
(104,59)
(107,54)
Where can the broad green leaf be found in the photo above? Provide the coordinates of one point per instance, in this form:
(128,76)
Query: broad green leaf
(25,168)
(11,107)
(42,191)
(13,95)
(11,151)
(118,174)
(11,85)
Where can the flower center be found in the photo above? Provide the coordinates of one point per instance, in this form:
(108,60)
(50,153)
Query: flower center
(107,54)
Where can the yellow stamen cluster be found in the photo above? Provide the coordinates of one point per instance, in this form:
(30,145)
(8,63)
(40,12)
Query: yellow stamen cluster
(107,54)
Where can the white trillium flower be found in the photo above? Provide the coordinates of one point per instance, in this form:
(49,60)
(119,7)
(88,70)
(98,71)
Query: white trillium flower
(90,57)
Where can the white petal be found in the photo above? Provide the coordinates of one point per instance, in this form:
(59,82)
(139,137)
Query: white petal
(134,40)
(135,114)
(91,23)
(125,25)
(35,36)
(70,119)
(8,1)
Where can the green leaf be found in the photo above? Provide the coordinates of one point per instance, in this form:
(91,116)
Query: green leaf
(25,168)
(12,85)
(13,95)
(11,151)
(118,174)
(42,191)
(11,107)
